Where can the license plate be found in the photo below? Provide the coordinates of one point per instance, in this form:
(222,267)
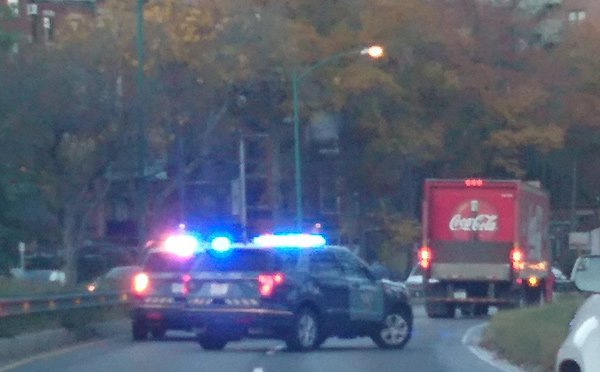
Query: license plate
(177,288)
(460,295)
(218,289)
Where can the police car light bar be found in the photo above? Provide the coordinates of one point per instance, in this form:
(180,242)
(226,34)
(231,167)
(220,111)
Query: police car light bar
(290,241)
(182,245)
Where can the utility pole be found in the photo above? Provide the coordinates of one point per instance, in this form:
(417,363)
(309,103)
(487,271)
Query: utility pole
(141,117)
(181,174)
(243,206)
(573,226)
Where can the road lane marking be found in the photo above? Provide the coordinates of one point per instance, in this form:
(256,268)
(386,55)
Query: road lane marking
(258,369)
(483,354)
(48,354)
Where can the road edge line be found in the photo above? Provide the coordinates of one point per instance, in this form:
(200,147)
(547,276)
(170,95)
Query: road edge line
(49,354)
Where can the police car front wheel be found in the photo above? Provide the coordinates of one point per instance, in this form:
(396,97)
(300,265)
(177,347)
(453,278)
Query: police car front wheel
(395,330)
(305,334)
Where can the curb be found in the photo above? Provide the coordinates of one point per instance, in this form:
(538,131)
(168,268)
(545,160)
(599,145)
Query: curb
(471,340)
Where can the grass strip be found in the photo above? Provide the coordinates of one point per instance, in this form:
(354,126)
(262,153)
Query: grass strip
(531,337)
(22,288)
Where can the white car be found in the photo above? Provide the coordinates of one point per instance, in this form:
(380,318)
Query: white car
(580,351)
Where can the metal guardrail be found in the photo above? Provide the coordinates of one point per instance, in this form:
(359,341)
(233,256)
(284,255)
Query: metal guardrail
(49,303)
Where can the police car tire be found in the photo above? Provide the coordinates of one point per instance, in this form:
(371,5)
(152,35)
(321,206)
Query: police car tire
(305,320)
(212,343)
(158,332)
(139,331)
(394,331)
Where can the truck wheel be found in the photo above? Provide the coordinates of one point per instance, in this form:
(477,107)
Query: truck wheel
(439,310)
(481,310)
(534,296)
(395,330)
(305,332)
(474,310)
(139,330)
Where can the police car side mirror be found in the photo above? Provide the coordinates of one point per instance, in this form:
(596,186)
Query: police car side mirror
(586,273)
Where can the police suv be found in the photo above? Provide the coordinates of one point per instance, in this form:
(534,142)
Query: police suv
(159,291)
(295,288)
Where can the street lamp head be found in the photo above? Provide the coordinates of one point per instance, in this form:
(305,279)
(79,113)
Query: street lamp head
(374,51)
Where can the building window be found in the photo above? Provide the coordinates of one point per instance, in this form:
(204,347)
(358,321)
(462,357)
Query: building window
(328,195)
(14,6)
(576,16)
(49,29)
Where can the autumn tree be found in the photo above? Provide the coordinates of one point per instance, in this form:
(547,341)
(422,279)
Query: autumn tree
(64,134)
(573,67)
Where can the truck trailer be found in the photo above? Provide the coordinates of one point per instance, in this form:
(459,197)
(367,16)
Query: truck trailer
(484,243)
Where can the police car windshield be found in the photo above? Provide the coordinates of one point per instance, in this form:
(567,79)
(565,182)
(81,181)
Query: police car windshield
(167,262)
(259,260)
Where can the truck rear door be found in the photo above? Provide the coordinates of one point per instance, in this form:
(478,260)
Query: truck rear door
(470,229)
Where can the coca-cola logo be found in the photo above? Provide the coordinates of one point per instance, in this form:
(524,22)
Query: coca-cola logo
(474,219)
(481,222)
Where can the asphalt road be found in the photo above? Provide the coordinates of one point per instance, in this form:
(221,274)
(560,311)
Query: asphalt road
(437,345)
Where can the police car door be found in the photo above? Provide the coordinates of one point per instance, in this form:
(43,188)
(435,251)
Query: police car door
(366,293)
(329,284)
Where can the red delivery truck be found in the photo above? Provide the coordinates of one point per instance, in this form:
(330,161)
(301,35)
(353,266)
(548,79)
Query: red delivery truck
(484,243)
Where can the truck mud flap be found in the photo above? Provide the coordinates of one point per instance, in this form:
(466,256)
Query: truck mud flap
(437,309)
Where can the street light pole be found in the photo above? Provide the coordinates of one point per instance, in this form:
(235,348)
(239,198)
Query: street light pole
(297,163)
(141,163)
(374,51)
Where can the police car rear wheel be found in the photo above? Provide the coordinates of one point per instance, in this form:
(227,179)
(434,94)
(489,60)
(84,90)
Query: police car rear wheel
(211,343)
(305,333)
(139,331)
(395,330)
(158,331)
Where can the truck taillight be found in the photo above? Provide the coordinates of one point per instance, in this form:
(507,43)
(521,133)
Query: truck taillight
(424,256)
(516,258)
(268,282)
(141,282)
(474,182)
(532,281)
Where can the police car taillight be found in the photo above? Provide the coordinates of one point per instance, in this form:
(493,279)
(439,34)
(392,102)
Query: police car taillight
(268,282)
(141,283)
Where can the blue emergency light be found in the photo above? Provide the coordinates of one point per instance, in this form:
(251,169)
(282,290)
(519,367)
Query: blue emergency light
(290,241)
(220,243)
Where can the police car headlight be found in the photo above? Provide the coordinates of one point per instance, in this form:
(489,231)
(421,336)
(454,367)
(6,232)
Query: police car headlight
(394,288)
